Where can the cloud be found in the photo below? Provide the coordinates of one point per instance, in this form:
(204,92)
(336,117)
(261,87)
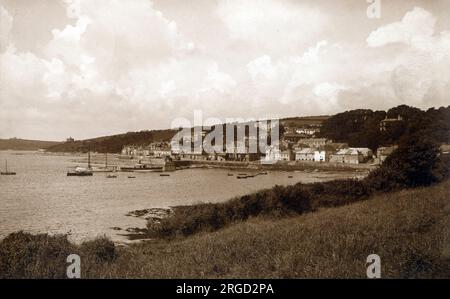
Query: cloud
(421,69)
(6,21)
(271,25)
(415,29)
(127,65)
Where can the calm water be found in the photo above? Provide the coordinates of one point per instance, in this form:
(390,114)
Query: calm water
(42,199)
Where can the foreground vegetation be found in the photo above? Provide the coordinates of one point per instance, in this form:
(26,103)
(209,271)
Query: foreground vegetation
(409,230)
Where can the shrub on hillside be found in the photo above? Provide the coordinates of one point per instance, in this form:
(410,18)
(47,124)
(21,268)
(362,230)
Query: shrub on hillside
(412,164)
(337,193)
(101,250)
(187,220)
(23,255)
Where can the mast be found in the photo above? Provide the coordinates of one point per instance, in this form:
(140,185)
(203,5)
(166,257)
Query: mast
(89,159)
(106,160)
(6,166)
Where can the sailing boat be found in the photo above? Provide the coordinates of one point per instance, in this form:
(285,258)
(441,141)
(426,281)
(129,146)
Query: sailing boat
(81,171)
(6,170)
(105,168)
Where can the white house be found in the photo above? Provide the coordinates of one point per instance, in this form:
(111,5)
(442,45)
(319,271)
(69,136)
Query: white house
(305,154)
(320,156)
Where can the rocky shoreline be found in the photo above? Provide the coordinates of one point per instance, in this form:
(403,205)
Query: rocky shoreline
(152,214)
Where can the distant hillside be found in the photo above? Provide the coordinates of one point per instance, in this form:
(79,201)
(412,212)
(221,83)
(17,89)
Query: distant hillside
(361,127)
(25,145)
(115,143)
(304,121)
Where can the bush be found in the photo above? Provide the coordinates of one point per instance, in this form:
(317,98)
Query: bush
(101,250)
(338,192)
(414,163)
(23,255)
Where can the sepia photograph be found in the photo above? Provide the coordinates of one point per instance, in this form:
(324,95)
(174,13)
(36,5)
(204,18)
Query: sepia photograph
(224,141)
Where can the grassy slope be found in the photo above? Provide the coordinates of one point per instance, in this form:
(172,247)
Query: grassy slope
(409,230)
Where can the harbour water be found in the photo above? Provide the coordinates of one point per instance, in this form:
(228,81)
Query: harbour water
(42,199)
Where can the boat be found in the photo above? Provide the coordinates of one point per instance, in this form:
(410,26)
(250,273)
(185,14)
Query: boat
(6,172)
(241,177)
(291,176)
(82,171)
(263,173)
(141,167)
(105,168)
(131,177)
(164,174)
(230,174)
(111,176)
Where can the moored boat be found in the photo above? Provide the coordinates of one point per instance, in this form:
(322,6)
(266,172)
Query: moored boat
(105,168)
(82,171)
(140,167)
(6,172)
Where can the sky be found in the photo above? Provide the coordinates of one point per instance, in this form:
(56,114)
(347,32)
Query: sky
(89,68)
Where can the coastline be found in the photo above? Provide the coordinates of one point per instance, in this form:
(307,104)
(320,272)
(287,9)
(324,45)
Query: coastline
(155,215)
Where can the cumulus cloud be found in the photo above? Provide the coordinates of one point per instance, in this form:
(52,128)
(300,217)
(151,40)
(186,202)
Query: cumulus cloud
(416,28)
(271,25)
(128,65)
(421,69)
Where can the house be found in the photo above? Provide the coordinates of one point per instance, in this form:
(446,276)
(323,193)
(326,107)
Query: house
(307,131)
(287,155)
(366,152)
(347,156)
(158,149)
(389,123)
(305,154)
(160,153)
(384,152)
(130,150)
(70,139)
(322,155)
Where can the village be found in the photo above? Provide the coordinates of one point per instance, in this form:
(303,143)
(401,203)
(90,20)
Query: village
(297,146)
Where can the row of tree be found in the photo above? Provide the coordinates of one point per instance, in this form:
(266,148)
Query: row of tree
(361,128)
